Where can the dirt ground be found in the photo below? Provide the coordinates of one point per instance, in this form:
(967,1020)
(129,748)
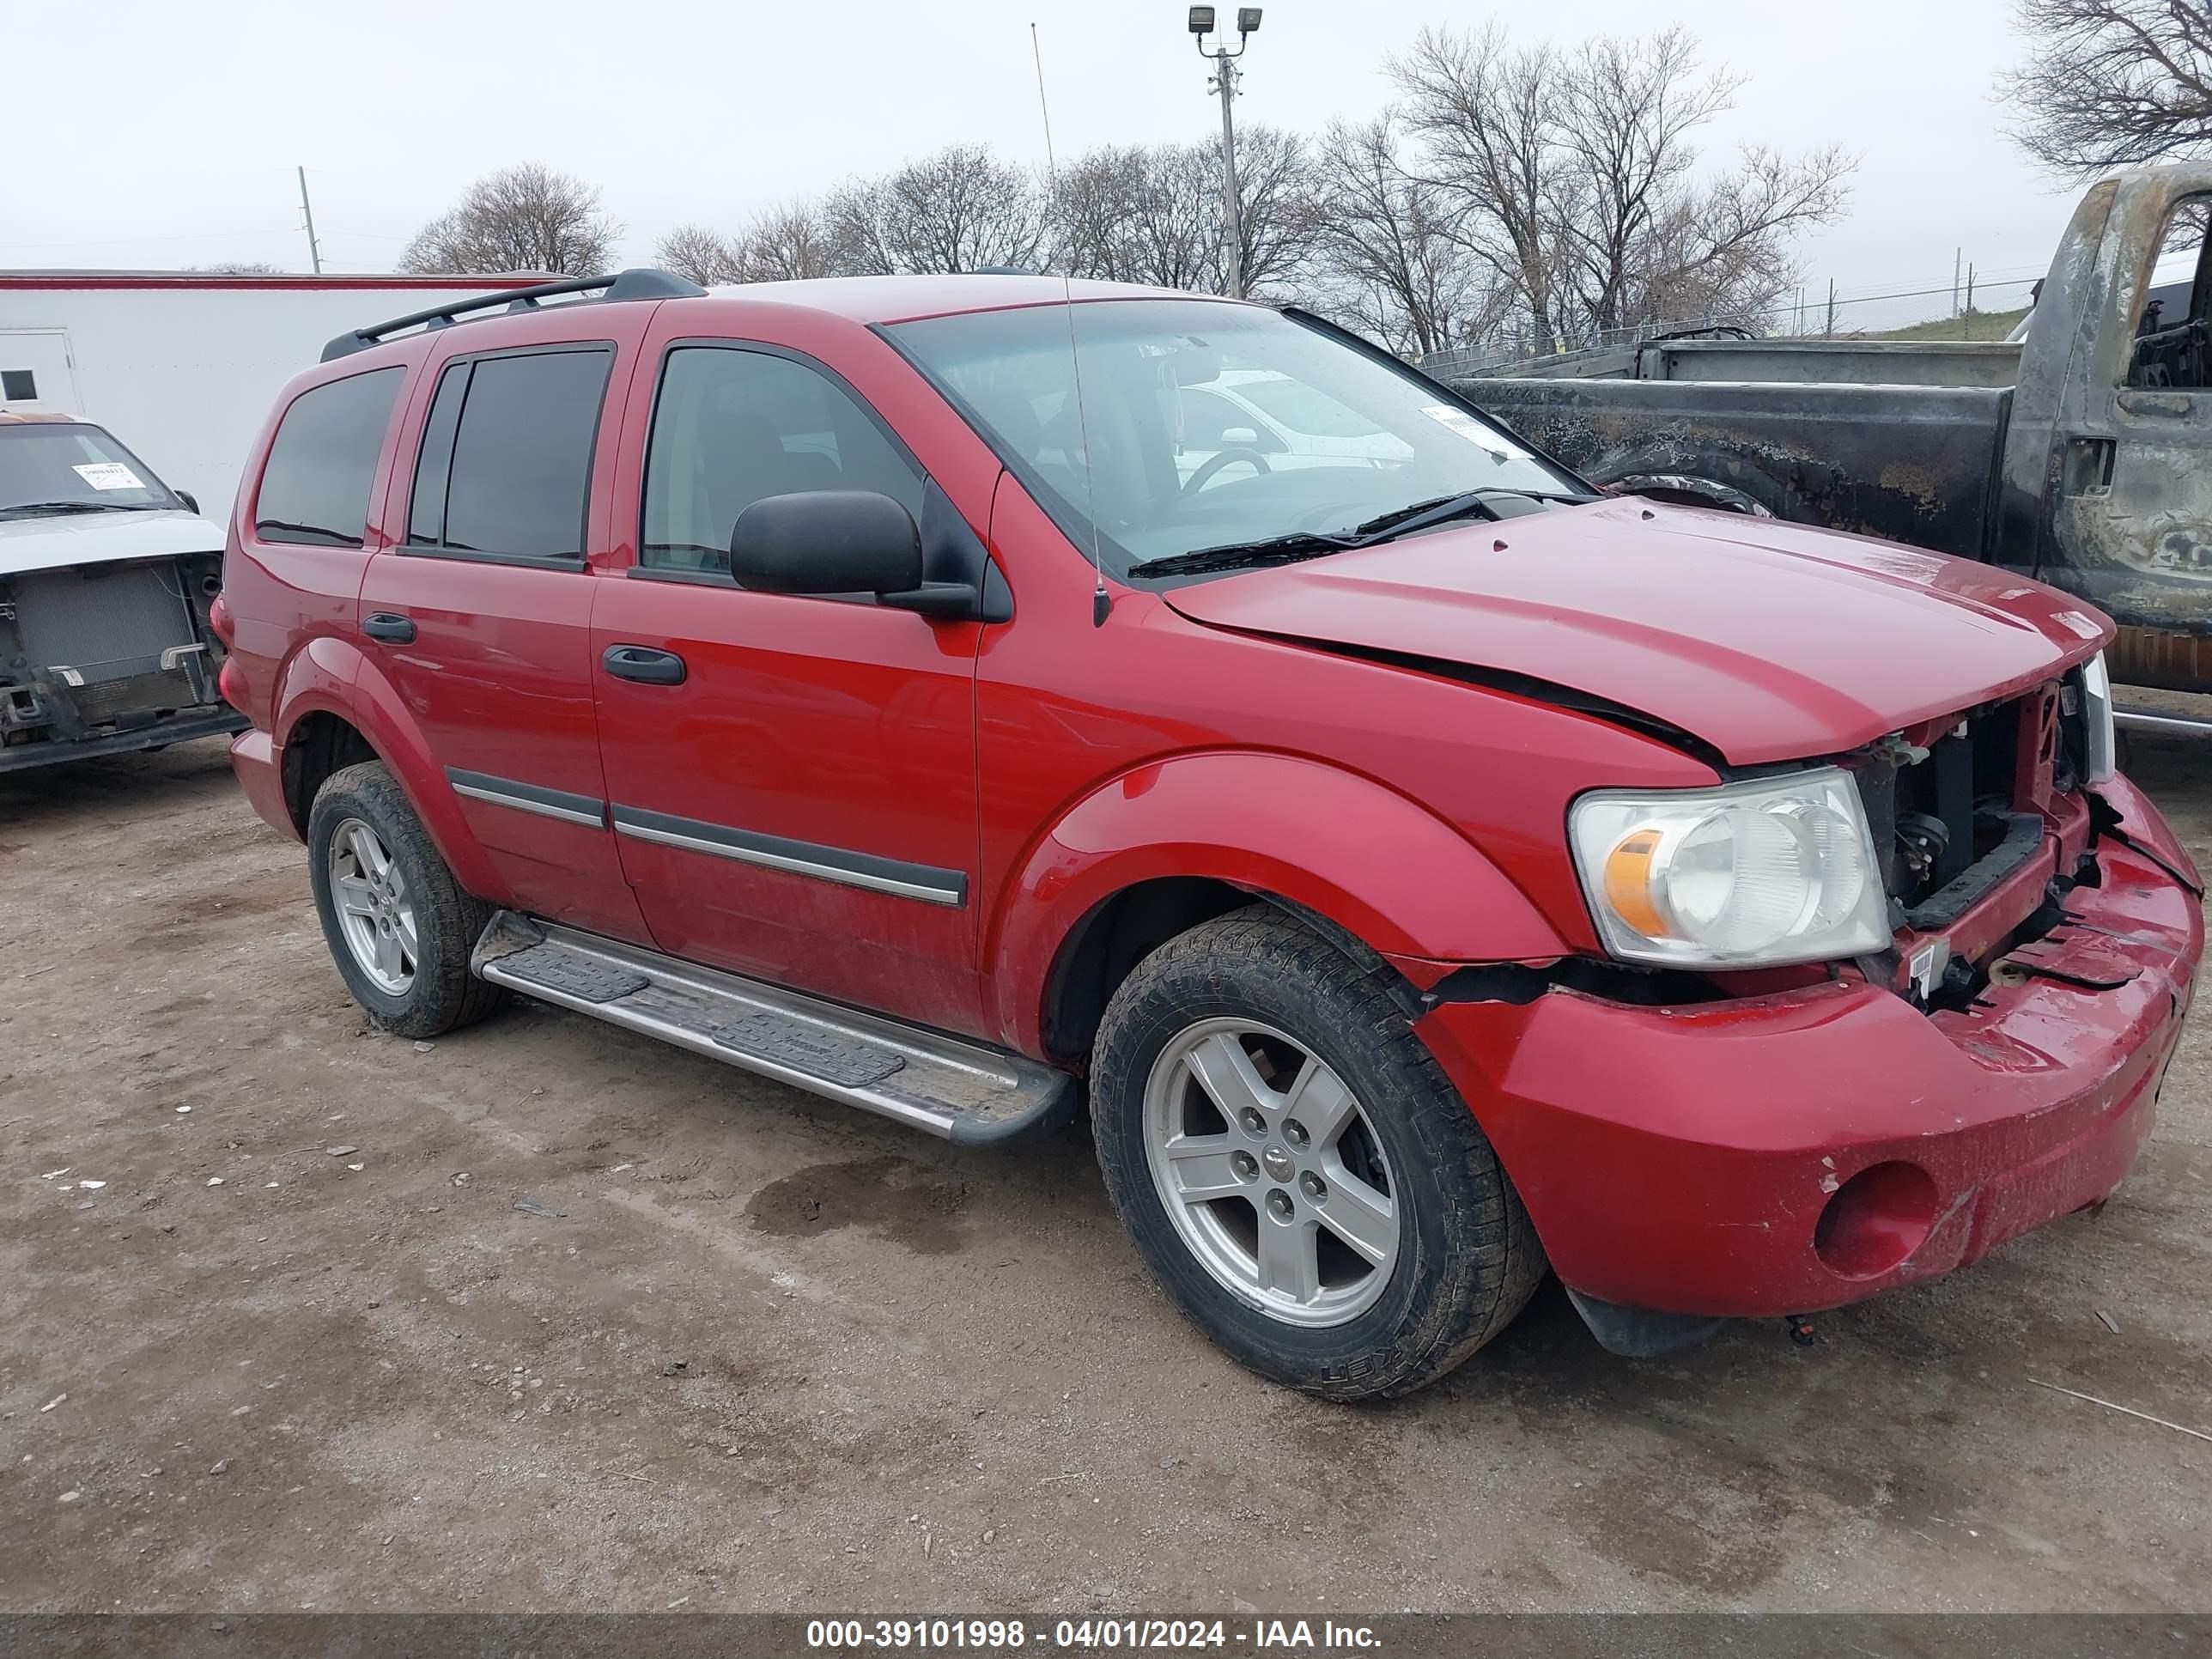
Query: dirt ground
(548,1316)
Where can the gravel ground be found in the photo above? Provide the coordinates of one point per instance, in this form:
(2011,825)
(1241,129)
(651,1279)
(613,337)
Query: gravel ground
(547,1317)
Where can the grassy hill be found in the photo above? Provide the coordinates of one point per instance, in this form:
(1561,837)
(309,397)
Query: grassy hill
(1974,325)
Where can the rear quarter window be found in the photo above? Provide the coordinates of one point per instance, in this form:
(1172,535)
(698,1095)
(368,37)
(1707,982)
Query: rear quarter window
(314,487)
(505,468)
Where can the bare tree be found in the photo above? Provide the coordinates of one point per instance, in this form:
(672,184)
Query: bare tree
(791,243)
(1139,213)
(2113,82)
(1630,174)
(1101,207)
(788,243)
(523,218)
(1381,251)
(960,210)
(704,255)
(1152,213)
(1274,189)
(239,268)
(1574,178)
(1490,117)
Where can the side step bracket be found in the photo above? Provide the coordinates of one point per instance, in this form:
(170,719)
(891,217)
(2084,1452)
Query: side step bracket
(966,1091)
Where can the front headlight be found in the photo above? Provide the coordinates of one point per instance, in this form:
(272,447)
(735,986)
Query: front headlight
(1775,870)
(2098,743)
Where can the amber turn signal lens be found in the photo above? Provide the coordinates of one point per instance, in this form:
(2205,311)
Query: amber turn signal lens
(1628,883)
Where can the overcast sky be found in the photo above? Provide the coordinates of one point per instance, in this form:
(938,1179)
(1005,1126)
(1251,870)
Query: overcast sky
(165,134)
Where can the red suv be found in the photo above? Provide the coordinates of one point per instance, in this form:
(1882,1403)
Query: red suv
(941,692)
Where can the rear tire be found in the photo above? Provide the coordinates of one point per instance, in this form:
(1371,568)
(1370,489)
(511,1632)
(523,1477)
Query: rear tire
(1341,1223)
(398,925)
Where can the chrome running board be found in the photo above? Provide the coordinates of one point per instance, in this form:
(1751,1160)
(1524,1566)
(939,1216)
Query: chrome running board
(965,1092)
(2141,720)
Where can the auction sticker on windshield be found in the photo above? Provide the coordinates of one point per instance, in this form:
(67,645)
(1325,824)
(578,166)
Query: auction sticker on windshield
(1459,420)
(108,475)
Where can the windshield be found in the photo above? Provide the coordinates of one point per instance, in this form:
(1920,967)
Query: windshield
(71,467)
(1209,424)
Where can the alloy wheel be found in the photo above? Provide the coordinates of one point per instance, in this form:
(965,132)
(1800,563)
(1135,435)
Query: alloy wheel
(376,911)
(1271,1172)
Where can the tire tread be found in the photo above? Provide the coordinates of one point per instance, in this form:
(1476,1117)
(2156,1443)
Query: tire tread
(446,996)
(1493,1261)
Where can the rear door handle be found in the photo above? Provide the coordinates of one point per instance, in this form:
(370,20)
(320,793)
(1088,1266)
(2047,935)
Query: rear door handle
(390,627)
(644,665)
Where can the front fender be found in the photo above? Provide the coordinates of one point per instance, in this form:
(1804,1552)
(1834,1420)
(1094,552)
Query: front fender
(331,676)
(1380,866)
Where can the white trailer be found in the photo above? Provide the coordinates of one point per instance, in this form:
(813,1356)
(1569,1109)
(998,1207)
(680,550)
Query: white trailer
(183,367)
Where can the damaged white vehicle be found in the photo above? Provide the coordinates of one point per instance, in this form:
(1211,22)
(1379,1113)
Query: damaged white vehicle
(106,577)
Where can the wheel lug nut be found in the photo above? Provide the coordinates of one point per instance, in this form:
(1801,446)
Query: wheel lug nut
(1313,1185)
(1278,1201)
(1295,1132)
(1251,1120)
(1245,1164)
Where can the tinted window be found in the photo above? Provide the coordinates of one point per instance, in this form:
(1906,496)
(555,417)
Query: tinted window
(521,466)
(315,487)
(731,427)
(426,503)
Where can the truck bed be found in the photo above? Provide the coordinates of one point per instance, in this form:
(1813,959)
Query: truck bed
(1910,463)
(1988,364)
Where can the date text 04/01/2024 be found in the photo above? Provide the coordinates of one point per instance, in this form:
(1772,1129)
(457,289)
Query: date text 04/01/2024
(1097,1635)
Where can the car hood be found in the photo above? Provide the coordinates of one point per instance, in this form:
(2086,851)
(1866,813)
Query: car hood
(1769,640)
(76,538)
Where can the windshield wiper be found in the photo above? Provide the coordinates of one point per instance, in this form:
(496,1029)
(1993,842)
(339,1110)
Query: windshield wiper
(1314,544)
(1405,520)
(42,509)
(1241,556)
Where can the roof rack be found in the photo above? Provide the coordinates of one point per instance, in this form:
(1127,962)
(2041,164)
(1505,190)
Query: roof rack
(640,282)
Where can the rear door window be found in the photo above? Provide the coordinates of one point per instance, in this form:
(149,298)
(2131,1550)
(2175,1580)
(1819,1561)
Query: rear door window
(505,469)
(314,489)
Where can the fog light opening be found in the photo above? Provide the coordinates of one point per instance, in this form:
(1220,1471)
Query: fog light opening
(1874,1220)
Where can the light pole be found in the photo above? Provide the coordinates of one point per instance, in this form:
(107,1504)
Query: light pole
(1225,82)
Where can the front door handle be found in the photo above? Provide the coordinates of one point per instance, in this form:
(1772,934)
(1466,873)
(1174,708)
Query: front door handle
(644,665)
(390,627)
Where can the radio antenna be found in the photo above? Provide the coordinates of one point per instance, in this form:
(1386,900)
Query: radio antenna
(1102,603)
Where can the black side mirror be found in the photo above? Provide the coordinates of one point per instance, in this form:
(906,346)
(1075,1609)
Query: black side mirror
(191,502)
(826,541)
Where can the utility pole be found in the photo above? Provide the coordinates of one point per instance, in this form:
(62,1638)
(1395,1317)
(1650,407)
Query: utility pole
(1225,74)
(314,252)
(1958,261)
(1968,333)
(1831,331)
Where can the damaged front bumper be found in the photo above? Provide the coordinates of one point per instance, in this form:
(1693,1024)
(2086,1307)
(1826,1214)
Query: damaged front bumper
(1783,1154)
(107,657)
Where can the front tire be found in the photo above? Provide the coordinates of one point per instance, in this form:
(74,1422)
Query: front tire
(398,925)
(1296,1169)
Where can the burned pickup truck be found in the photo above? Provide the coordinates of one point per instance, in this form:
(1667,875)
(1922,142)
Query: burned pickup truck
(106,575)
(2080,455)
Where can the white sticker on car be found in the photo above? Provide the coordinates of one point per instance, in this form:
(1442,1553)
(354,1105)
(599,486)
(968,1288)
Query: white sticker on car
(109,475)
(2076,622)
(1466,426)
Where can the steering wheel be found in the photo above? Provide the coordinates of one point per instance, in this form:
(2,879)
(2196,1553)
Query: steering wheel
(1204,474)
